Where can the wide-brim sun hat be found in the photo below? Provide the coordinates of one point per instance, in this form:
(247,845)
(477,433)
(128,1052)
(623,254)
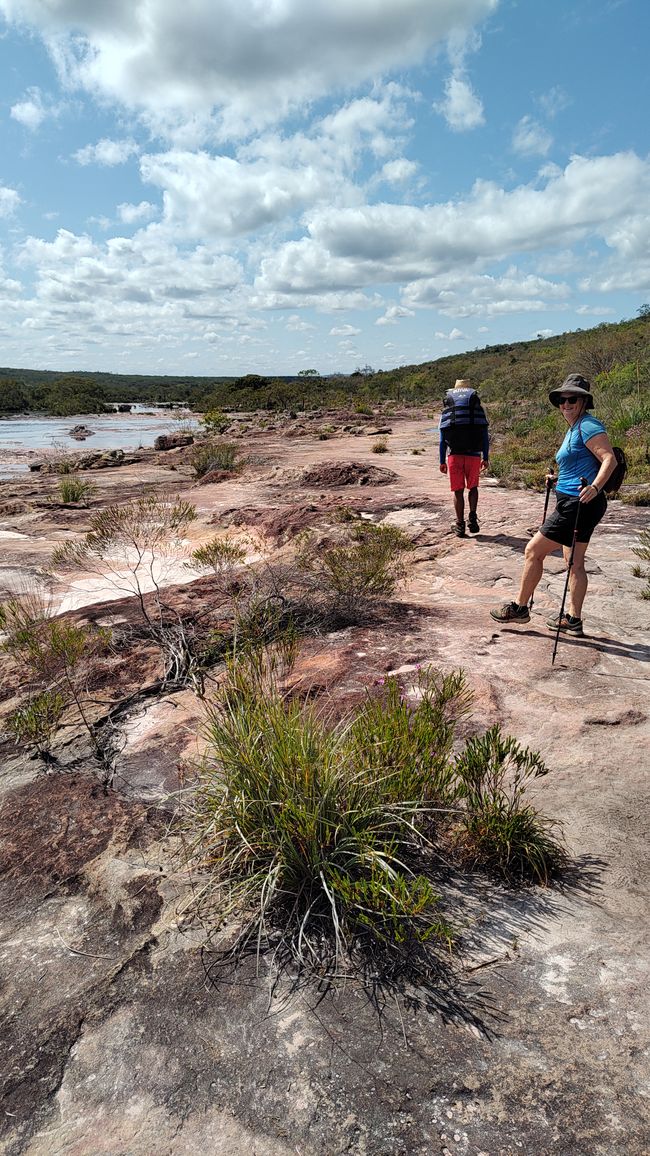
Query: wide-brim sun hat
(576,384)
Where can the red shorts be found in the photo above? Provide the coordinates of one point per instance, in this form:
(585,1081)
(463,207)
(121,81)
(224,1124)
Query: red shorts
(464,470)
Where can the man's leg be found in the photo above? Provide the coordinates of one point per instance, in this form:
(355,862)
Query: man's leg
(459,505)
(473,499)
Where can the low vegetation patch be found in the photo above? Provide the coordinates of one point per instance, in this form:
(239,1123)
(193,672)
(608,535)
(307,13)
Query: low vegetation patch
(73,489)
(367,565)
(643,551)
(333,841)
(213,455)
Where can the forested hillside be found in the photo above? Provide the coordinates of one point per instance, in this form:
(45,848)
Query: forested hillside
(514,381)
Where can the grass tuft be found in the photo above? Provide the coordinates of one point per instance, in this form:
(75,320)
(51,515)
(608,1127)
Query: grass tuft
(320,837)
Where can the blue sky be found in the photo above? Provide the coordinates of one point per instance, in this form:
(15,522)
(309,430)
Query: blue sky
(264,186)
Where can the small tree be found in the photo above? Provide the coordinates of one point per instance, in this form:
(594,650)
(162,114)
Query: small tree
(134,548)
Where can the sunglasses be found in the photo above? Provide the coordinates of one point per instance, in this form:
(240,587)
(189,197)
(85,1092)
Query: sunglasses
(569,400)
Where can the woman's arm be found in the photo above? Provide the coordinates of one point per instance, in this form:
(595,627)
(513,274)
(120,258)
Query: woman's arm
(601,448)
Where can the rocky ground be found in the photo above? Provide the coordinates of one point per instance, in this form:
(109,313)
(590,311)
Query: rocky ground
(116,1039)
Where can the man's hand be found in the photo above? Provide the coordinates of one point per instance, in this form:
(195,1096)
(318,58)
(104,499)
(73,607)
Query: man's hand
(443,467)
(484,465)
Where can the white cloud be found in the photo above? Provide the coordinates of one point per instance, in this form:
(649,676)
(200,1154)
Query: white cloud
(393,314)
(253,62)
(531,138)
(344,331)
(453,335)
(399,170)
(461,108)
(133,214)
(554,101)
(9,201)
(106,152)
(295,324)
(347,248)
(31,112)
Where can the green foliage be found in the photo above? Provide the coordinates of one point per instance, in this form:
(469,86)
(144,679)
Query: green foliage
(215,421)
(219,555)
(501,831)
(74,489)
(643,551)
(213,455)
(13,399)
(36,722)
(322,834)
(366,567)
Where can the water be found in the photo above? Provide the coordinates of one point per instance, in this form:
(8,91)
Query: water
(22,438)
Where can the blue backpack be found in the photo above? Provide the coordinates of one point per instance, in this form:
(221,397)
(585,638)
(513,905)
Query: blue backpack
(463,420)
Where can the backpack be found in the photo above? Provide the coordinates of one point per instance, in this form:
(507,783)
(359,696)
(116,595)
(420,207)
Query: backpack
(463,421)
(617,476)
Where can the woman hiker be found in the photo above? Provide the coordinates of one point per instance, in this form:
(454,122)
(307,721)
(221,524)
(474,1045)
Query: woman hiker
(586,452)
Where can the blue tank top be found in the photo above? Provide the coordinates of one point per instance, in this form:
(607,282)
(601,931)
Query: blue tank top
(574,460)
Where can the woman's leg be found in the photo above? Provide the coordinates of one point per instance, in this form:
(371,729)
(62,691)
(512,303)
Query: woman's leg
(578,580)
(536,551)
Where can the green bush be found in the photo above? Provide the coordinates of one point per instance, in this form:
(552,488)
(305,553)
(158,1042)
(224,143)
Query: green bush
(353,573)
(36,722)
(500,831)
(74,489)
(207,456)
(321,835)
(379,447)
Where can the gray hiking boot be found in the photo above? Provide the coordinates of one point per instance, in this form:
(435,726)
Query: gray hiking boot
(568,624)
(511,612)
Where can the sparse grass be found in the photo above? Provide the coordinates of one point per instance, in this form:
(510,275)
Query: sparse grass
(35,723)
(320,837)
(353,573)
(636,498)
(75,489)
(499,830)
(643,551)
(379,447)
(215,455)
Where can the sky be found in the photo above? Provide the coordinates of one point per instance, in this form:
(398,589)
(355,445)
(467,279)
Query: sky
(223,187)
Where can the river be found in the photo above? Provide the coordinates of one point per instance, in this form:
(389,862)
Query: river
(28,436)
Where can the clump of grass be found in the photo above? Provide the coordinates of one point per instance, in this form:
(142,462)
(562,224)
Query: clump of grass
(365,567)
(380,446)
(636,498)
(499,830)
(215,455)
(35,723)
(643,551)
(319,837)
(74,489)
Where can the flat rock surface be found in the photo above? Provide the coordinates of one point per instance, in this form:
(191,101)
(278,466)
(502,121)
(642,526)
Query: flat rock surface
(117,1037)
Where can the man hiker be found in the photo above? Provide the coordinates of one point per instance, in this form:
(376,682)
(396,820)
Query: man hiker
(464,450)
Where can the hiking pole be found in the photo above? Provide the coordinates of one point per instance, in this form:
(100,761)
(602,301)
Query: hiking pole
(550,478)
(583,483)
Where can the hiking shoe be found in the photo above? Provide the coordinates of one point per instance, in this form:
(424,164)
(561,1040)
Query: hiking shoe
(473,525)
(568,624)
(511,612)
(458,529)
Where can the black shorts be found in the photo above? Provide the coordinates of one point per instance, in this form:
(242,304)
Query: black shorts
(559,527)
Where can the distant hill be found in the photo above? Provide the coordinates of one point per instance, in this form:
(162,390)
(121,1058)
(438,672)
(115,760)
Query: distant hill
(513,379)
